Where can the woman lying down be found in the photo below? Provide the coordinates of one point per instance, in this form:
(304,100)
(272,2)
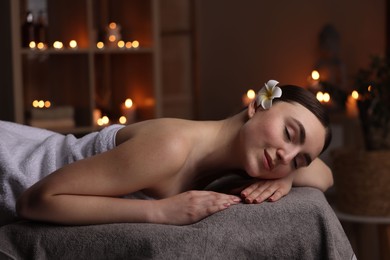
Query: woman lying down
(275,142)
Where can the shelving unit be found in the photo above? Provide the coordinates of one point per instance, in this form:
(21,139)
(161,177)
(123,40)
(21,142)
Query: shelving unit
(88,78)
(159,76)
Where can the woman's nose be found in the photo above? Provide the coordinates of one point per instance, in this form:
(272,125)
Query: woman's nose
(287,154)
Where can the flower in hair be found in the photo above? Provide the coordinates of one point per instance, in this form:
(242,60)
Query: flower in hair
(268,93)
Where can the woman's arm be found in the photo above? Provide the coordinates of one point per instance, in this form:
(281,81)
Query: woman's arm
(316,175)
(90,191)
(182,209)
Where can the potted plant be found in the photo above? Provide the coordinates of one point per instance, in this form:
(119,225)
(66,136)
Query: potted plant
(362,177)
(373,85)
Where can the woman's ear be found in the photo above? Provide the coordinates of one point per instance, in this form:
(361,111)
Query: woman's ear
(252,108)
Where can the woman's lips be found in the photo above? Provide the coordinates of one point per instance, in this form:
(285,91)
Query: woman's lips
(267,161)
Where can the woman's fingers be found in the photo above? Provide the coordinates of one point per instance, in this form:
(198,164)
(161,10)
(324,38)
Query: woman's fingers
(192,206)
(256,193)
(212,200)
(205,203)
(276,196)
(248,190)
(261,191)
(259,195)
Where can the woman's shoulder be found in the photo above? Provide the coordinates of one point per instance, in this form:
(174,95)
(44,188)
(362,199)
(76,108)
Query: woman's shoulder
(169,136)
(157,128)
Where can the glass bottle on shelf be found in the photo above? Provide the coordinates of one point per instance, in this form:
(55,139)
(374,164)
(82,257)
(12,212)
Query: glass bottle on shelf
(28,30)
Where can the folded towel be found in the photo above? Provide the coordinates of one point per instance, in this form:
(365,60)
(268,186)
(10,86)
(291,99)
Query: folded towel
(28,154)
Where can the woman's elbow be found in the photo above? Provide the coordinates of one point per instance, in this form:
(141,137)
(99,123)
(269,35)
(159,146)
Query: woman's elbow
(30,205)
(328,180)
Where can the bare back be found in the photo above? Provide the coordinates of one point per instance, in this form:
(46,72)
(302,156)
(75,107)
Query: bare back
(168,149)
(157,157)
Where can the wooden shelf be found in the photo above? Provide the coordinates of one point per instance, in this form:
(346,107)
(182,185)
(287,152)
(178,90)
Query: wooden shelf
(88,78)
(52,51)
(158,75)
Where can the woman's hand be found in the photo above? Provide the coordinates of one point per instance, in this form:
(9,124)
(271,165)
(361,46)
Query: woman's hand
(191,206)
(271,190)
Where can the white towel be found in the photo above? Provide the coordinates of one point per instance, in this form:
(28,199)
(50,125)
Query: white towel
(28,154)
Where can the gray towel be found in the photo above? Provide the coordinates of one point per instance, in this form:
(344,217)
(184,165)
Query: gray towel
(302,225)
(28,154)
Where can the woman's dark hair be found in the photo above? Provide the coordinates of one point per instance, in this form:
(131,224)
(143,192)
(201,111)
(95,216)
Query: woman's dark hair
(291,93)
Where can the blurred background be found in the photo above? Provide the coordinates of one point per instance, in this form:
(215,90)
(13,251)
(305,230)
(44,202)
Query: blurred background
(76,66)
(241,46)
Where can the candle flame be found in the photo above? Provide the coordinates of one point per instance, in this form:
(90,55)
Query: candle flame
(128,103)
(32,45)
(58,45)
(315,75)
(326,97)
(251,94)
(73,44)
(121,44)
(112,25)
(105,120)
(112,38)
(100,45)
(41,46)
(122,120)
(99,122)
(41,103)
(355,94)
(135,44)
(320,96)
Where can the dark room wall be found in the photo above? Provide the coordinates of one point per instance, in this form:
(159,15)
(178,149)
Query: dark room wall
(6,100)
(242,44)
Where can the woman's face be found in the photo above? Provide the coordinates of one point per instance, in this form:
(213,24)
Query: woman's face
(279,140)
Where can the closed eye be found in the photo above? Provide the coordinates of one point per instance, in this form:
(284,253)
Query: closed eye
(295,163)
(301,160)
(287,134)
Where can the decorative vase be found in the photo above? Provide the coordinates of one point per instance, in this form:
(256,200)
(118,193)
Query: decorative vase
(362,182)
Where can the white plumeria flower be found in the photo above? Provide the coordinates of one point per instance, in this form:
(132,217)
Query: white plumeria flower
(268,93)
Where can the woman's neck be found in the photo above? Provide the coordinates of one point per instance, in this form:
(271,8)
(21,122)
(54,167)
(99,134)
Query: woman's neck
(220,149)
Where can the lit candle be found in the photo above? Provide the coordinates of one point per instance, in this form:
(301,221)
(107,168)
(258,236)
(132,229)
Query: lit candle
(47,104)
(121,44)
(314,80)
(315,75)
(128,109)
(32,45)
(97,114)
(248,97)
(73,44)
(351,106)
(135,44)
(100,45)
(323,97)
(41,46)
(103,121)
(128,45)
(122,120)
(58,45)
